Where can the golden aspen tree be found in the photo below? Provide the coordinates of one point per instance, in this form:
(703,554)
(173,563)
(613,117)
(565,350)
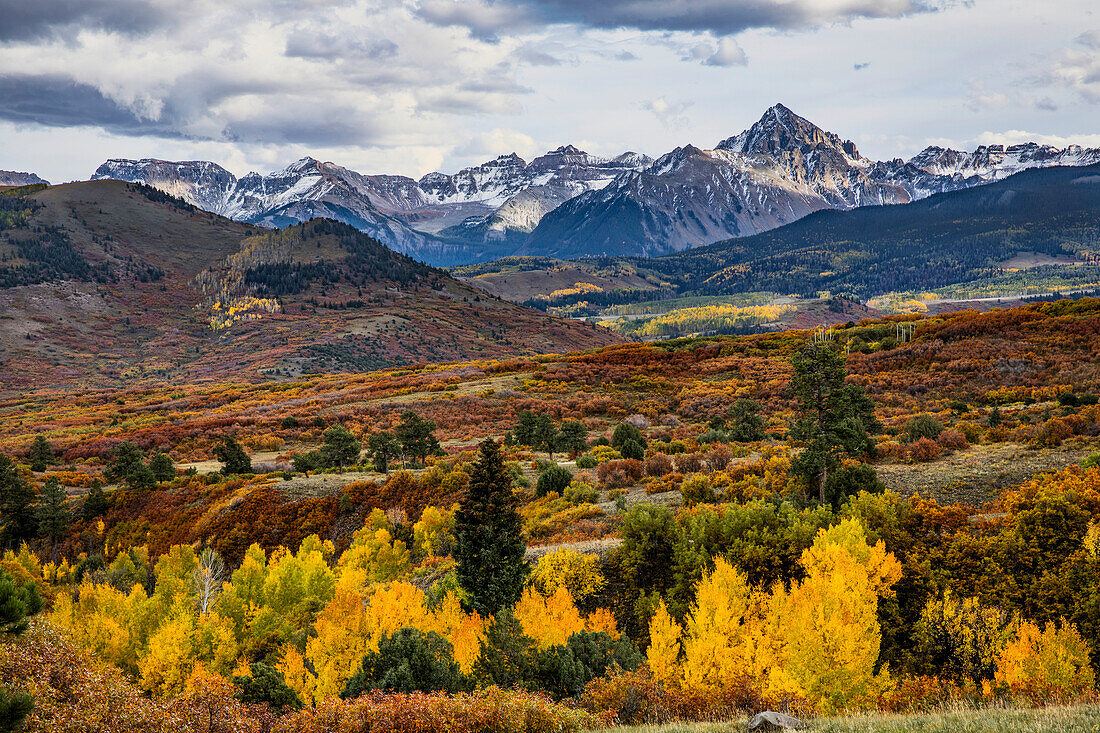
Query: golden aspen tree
(168,662)
(433,534)
(549,620)
(602,620)
(580,574)
(300,579)
(343,636)
(663,655)
(465,631)
(296,675)
(1052,663)
(394,606)
(721,637)
(373,557)
(829,640)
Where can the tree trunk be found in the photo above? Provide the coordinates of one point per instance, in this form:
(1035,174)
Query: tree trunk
(821,486)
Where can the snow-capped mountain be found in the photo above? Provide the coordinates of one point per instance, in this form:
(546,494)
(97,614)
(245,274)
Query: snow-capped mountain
(777,171)
(15,178)
(473,206)
(569,203)
(202,183)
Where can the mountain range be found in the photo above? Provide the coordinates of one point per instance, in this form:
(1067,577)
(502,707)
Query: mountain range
(568,203)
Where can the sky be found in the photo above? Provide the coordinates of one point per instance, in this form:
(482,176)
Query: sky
(412,86)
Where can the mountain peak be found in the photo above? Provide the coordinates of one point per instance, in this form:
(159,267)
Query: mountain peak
(780,130)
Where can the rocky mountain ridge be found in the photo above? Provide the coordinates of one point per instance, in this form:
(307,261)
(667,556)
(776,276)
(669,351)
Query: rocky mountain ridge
(568,203)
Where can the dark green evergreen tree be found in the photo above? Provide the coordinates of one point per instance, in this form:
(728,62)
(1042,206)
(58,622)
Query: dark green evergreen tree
(232,454)
(536,431)
(624,432)
(382,448)
(162,467)
(52,512)
(554,479)
(408,661)
(746,425)
(340,448)
(632,449)
(17,604)
(417,436)
(835,419)
(41,454)
(572,437)
(95,503)
(124,463)
(265,684)
(489,547)
(508,657)
(17,521)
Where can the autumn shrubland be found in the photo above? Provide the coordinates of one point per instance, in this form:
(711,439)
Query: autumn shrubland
(752,553)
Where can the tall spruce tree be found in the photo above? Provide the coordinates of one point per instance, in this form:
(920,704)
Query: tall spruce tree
(52,512)
(489,546)
(41,454)
(16,505)
(835,418)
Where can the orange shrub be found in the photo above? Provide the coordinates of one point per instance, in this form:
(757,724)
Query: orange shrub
(658,465)
(951,439)
(923,450)
(486,711)
(621,473)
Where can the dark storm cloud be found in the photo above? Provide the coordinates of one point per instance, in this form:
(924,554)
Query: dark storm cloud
(34,20)
(57,101)
(486,18)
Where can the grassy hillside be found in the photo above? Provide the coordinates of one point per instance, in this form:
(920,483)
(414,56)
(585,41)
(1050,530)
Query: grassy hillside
(106,282)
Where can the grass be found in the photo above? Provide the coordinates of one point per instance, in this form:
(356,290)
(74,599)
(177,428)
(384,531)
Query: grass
(1073,719)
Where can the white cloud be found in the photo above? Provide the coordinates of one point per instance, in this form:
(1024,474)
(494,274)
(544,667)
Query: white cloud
(1015,137)
(670,114)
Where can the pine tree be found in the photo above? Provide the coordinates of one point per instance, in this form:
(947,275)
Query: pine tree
(489,546)
(233,456)
(95,503)
(51,511)
(416,436)
(41,454)
(835,417)
(16,505)
(162,467)
(382,448)
(125,464)
(572,437)
(340,448)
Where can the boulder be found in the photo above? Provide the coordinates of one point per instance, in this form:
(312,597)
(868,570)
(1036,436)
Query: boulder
(770,720)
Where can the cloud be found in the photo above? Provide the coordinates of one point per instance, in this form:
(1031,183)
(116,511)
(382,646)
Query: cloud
(314,45)
(31,20)
(486,21)
(720,17)
(861,65)
(626,56)
(489,145)
(59,101)
(670,114)
(728,53)
(1017,137)
(533,56)
(1078,69)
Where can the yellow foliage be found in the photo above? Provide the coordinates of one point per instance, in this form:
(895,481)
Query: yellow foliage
(297,676)
(664,647)
(602,620)
(722,636)
(549,620)
(825,632)
(1053,663)
(373,557)
(433,534)
(343,637)
(577,573)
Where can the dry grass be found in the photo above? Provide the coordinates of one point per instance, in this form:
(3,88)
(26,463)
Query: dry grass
(1073,719)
